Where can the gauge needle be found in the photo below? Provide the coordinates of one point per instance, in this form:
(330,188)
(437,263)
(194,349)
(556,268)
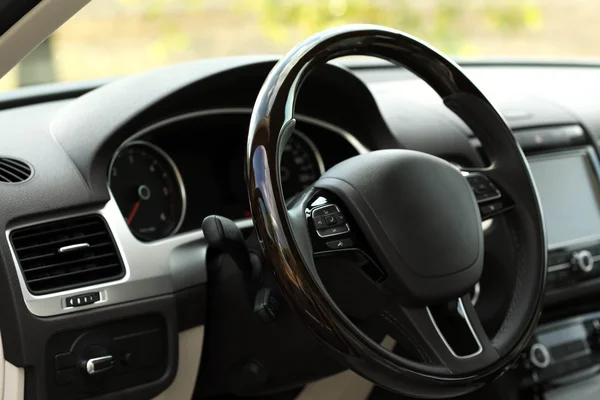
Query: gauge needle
(133,212)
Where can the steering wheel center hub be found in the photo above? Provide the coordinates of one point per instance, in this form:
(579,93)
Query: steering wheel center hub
(420,216)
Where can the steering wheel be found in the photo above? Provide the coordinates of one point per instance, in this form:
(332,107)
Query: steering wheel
(408,221)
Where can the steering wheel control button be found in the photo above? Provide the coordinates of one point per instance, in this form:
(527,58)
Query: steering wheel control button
(330,219)
(340,244)
(483,188)
(83,299)
(539,356)
(326,210)
(490,208)
(320,222)
(338,230)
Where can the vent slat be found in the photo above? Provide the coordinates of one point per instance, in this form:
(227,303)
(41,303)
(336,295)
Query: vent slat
(48,255)
(62,242)
(15,163)
(55,230)
(14,171)
(48,270)
(6,173)
(67,263)
(23,174)
(68,274)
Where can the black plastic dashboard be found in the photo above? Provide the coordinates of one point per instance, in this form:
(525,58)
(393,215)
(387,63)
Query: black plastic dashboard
(197,114)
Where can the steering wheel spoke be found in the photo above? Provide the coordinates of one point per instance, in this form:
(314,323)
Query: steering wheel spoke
(448,335)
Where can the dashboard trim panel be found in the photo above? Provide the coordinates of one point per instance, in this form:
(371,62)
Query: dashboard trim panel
(351,139)
(151,268)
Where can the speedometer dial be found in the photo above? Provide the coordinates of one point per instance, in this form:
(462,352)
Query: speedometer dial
(301,164)
(147,186)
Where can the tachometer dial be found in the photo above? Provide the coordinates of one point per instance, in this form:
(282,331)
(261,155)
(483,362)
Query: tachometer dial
(147,186)
(301,164)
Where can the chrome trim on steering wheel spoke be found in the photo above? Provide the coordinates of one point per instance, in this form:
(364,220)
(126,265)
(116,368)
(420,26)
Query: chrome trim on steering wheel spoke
(460,308)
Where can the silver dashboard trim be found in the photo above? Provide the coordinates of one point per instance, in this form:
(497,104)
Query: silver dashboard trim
(559,267)
(351,139)
(151,268)
(314,150)
(545,352)
(170,163)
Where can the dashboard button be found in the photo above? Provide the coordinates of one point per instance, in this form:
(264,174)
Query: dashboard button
(339,244)
(65,360)
(82,299)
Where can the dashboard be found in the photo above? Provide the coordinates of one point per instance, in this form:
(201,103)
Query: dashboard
(194,158)
(134,166)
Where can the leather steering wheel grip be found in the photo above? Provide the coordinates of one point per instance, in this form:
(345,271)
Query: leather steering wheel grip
(283,230)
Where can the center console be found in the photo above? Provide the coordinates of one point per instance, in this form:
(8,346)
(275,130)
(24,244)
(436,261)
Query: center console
(563,352)
(567,175)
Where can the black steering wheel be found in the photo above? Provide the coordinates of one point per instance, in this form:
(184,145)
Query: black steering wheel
(408,221)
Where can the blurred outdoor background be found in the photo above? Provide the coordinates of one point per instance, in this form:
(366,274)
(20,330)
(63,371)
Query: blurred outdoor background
(118,37)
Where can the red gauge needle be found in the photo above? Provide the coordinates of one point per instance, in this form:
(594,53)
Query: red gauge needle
(133,212)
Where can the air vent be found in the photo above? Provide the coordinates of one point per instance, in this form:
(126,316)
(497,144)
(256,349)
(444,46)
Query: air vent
(67,254)
(14,171)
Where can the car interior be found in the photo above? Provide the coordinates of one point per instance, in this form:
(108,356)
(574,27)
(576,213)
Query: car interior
(300,226)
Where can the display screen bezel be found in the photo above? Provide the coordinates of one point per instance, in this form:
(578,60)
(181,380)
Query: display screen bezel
(589,153)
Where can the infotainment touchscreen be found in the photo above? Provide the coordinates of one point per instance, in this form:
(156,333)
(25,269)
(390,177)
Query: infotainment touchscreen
(570,194)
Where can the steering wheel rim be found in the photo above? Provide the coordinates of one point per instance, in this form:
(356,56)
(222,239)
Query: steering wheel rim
(283,230)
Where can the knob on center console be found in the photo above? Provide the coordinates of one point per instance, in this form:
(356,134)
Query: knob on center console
(539,355)
(583,260)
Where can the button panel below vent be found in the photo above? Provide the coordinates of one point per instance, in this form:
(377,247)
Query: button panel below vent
(67,254)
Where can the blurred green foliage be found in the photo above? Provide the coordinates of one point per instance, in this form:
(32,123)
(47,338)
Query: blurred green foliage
(444,23)
(441,22)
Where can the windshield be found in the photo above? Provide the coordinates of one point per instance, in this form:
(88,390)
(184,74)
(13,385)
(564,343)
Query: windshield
(119,37)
